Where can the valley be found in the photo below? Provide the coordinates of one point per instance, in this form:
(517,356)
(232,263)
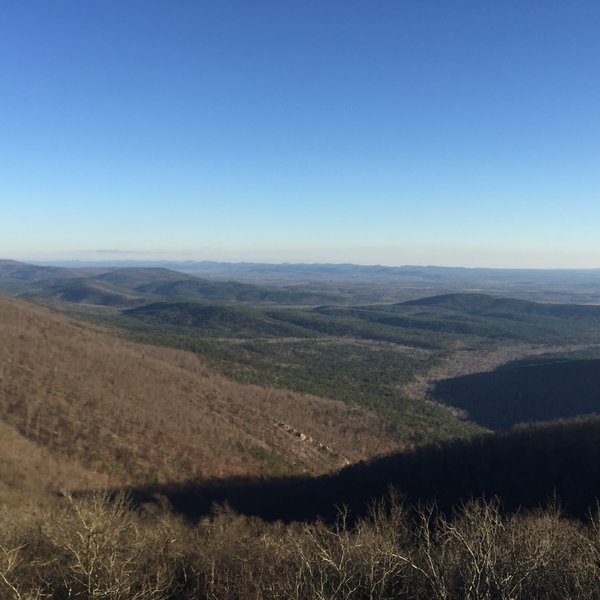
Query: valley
(263,410)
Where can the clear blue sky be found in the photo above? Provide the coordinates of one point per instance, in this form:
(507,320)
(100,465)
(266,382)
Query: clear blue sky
(394,132)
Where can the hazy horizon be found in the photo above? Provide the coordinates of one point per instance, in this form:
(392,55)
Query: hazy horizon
(368,257)
(172,262)
(339,132)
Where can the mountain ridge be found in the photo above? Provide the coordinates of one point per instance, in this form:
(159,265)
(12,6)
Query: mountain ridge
(114,286)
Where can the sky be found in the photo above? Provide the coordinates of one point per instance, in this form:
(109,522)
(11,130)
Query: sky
(454,133)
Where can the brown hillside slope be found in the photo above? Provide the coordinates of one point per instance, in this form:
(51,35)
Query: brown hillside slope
(30,473)
(137,413)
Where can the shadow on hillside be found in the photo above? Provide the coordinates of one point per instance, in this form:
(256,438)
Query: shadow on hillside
(527,468)
(525,391)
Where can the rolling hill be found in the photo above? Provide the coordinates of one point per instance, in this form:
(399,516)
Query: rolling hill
(219,320)
(20,271)
(88,292)
(491,306)
(134,286)
(372,355)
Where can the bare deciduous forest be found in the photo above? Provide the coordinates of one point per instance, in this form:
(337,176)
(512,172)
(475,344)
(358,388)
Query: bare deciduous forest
(132,413)
(98,547)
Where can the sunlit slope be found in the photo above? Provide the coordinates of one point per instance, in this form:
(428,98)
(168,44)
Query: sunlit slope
(141,413)
(30,473)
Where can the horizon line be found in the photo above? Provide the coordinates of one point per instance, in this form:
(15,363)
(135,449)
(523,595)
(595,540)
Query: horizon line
(118,262)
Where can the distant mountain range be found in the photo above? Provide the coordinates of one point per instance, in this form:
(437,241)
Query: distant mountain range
(352,282)
(135,286)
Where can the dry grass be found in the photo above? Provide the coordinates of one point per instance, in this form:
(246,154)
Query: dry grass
(103,408)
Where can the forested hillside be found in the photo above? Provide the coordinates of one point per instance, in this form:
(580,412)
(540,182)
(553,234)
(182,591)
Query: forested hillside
(129,412)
